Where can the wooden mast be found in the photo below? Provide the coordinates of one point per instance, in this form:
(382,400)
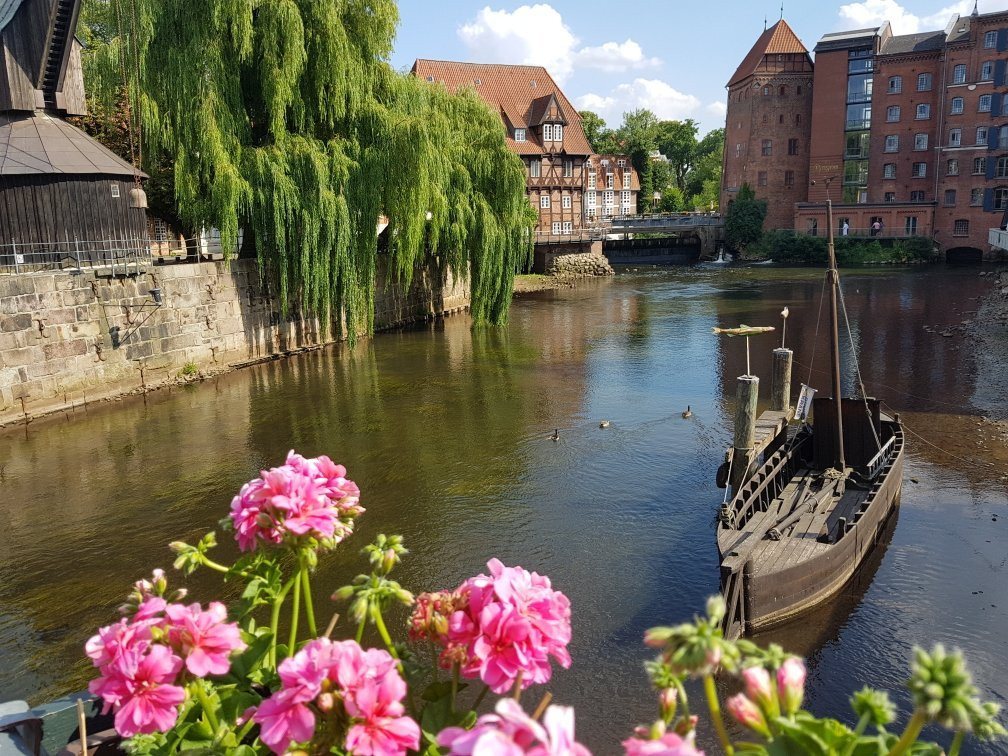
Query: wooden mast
(834,331)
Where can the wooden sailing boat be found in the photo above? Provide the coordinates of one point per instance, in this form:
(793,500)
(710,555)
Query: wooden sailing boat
(801,522)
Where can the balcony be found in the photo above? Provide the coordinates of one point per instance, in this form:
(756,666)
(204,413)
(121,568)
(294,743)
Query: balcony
(998,238)
(863,123)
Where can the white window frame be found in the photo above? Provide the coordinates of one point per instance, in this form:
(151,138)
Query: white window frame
(590,199)
(519,135)
(920,141)
(958,105)
(889,171)
(981,136)
(568,227)
(892,114)
(959,73)
(544,201)
(984,104)
(990,40)
(987,70)
(893,140)
(568,168)
(625,198)
(557,132)
(924,82)
(955,137)
(627,177)
(919,170)
(556,228)
(608,198)
(548,132)
(923,112)
(610,181)
(895,84)
(565,202)
(535,168)
(591,178)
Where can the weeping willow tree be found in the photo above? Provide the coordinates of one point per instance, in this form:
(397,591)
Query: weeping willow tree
(285,120)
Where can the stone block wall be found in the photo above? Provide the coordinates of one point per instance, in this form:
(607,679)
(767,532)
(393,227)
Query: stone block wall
(68,339)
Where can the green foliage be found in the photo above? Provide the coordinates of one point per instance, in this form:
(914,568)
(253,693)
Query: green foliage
(599,136)
(787,246)
(677,141)
(744,219)
(284,118)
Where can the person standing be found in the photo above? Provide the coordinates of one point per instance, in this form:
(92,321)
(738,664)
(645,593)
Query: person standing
(844,228)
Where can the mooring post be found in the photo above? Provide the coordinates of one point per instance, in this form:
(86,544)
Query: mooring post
(780,383)
(746,395)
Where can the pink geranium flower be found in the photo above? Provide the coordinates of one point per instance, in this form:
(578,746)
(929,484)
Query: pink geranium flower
(791,684)
(511,731)
(505,625)
(668,744)
(203,638)
(142,684)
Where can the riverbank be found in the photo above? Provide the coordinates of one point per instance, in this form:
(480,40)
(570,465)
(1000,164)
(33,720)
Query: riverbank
(988,337)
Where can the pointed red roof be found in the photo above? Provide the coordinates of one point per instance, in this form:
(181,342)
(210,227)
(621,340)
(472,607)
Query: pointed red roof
(779,38)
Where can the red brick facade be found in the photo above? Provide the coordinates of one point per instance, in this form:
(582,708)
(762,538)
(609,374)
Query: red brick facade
(906,130)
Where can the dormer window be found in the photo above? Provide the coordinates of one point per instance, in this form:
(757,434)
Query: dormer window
(552,132)
(519,135)
(548,132)
(557,132)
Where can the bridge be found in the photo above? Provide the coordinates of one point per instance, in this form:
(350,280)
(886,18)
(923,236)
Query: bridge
(656,223)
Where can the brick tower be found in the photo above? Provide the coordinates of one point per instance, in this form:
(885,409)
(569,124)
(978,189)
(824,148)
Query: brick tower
(768,125)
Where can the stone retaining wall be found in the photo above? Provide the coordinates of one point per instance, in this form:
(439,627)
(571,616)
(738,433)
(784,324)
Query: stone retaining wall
(581,265)
(58,337)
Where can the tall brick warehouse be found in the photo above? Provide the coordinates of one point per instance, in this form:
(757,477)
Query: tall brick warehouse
(909,131)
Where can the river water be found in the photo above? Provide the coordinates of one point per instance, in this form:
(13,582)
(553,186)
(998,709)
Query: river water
(446,430)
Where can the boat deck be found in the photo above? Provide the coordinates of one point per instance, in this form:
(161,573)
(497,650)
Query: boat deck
(799,542)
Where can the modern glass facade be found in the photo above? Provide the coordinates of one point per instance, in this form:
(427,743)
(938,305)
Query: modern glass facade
(860,78)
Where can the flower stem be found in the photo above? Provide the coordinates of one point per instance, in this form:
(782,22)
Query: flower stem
(275,619)
(683,698)
(376,617)
(208,711)
(480,697)
(295,611)
(956,743)
(858,732)
(309,606)
(360,630)
(910,734)
(715,709)
(454,685)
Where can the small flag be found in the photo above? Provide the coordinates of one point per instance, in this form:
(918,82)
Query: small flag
(804,402)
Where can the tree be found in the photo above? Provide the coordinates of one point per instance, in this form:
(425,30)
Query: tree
(285,119)
(677,141)
(744,219)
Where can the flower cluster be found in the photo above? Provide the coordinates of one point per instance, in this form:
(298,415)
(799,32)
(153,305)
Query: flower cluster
(762,702)
(143,659)
(669,744)
(500,627)
(339,681)
(310,498)
(512,732)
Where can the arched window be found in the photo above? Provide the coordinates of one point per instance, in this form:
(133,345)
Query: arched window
(766,91)
(783,90)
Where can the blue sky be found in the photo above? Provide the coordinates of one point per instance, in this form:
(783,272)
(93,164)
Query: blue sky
(610,56)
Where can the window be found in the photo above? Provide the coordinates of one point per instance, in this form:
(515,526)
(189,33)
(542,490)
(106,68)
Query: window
(548,132)
(590,199)
(115,190)
(625,199)
(981,137)
(920,141)
(919,170)
(892,143)
(985,104)
(889,171)
(621,163)
(990,39)
(535,169)
(892,113)
(960,227)
(917,195)
(799,89)
(952,168)
(955,137)
(987,70)
(957,105)
(976,197)
(568,227)
(1003,138)
(923,111)
(950,197)
(556,227)
(979,166)
(1001,198)
(565,202)
(783,90)
(544,201)
(923,82)
(627,177)
(558,132)
(890,196)
(813,227)
(797,118)
(780,118)
(761,179)
(519,135)
(591,177)
(766,91)
(1001,167)
(788,178)
(568,168)
(607,198)
(610,182)
(911,225)
(895,84)
(959,74)
(792,146)
(767,148)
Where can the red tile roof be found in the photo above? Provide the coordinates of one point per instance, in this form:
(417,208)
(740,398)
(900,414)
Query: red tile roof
(512,91)
(779,38)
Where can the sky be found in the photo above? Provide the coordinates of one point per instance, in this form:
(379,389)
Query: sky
(612,56)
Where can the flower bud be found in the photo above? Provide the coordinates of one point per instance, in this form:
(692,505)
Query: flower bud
(686,725)
(160,584)
(748,714)
(715,609)
(389,559)
(179,546)
(177,595)
(657,730)
(757,685)
(657,637)
(667,702)
(791,684)
(263,520)
(343,593)
(325,702)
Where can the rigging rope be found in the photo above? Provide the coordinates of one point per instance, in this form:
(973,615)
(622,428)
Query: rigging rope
(857,368)
(815,340)
(935,446)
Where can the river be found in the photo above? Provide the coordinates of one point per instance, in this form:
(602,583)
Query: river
(446,430)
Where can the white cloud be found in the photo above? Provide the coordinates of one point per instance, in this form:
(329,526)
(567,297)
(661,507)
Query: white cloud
(615,57)
(875,12)
(661,98)
(537,35)
(719,109)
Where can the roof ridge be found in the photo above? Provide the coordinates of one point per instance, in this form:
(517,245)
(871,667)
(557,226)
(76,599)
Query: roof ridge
(779,38)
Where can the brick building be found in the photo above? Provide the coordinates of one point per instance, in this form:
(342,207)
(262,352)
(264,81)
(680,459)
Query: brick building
(566,183)
(905,130)
(768,122)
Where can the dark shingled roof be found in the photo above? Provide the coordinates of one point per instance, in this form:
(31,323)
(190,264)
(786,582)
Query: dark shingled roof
(39,143)
(931,41)
(7,10)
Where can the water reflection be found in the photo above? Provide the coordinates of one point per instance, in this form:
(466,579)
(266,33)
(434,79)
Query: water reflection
(446,431)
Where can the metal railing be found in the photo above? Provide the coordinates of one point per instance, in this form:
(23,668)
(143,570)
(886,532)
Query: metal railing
(592,233)
(884,233)
(77,254)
